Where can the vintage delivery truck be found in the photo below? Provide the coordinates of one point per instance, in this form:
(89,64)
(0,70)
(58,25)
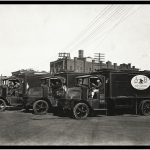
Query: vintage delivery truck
(15,89)
(108,90)
(44,98)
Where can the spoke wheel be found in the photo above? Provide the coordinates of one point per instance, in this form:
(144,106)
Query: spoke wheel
(146,108)
(40,107)
(2,105)
(80,111)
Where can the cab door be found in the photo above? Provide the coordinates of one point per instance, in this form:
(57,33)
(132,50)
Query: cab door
(15,100)
(15,97)
(98,100)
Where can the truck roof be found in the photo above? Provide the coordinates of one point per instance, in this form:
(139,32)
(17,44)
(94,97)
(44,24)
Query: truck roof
(54,77)
(121,71)
(85,76)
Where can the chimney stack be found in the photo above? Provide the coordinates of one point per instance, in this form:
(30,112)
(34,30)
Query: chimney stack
(115,65)
(81,53)
(129,65)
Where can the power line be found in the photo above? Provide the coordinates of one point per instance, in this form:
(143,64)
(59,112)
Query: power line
(89,26)
(100,18)
(102,28)
(122,12)
(117,23)
(125,11)
(99,27)
(94,30)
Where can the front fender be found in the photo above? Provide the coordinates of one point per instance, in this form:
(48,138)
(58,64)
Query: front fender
(28,101)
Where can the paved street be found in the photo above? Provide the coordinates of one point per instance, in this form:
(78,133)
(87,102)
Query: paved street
(20,128)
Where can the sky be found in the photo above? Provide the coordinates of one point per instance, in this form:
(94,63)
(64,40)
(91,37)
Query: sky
(31,36)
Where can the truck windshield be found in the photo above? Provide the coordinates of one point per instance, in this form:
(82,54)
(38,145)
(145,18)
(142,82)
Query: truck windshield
(35,91)
(56,82)
(93,80)
(83,81)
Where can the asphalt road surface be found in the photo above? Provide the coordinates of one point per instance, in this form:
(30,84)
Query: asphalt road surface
(20,128)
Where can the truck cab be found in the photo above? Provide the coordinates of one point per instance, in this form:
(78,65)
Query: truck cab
(17,91)
(43,98)
(11,92)
(86,96)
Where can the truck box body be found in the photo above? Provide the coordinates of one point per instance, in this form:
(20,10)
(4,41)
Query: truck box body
(118,84)
(125,89)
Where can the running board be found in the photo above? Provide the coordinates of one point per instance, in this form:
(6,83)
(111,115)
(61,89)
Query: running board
(101,109)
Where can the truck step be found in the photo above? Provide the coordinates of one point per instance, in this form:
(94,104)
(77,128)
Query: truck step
(101,109)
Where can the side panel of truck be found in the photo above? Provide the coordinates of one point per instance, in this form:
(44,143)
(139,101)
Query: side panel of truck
(122,92)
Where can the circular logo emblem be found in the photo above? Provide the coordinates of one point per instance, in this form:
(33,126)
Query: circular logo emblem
(140,82)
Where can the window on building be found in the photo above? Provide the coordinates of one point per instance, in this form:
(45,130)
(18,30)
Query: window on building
(71,68)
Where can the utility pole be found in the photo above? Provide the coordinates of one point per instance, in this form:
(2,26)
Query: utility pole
(99,58)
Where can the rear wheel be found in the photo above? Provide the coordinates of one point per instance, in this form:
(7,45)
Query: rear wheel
(80,111)
(2,105)
(40,107)
(145,108)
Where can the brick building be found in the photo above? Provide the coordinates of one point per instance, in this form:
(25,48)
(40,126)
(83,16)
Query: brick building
(83,64)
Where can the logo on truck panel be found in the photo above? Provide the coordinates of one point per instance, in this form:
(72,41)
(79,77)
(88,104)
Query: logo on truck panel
(140,82)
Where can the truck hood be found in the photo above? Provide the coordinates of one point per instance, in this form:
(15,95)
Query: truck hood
(73,93)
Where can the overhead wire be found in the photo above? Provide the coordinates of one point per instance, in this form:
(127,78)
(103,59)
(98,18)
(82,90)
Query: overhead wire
(89,26)
(121,20)
(100,27)
(88,35)
(109,26)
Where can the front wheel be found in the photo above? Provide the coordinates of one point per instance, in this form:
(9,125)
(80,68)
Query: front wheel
(80,111)
(145,109)
(40,107)
(2,105)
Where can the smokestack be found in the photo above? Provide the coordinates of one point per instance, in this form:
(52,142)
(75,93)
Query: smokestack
(93,61)
(108,64)
(75,64)
(115,65)
(129,65)
(81,53)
